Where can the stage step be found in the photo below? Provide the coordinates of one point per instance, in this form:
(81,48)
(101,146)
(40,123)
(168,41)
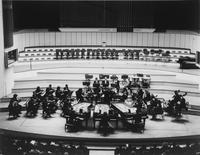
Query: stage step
(62,82)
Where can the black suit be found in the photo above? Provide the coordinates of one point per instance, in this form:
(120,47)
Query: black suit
(105,83)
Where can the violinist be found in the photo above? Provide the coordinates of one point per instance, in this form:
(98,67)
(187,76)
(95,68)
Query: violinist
(49,90)
(80,95)
(14,107)
(32,106)
(38,92)
(59,93)
(67,92)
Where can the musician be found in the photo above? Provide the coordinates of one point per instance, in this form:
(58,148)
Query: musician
(66,107)
(115,84)
(80,95)
(59,93)
(146,96)
(74,124)
(66,92)
(14,107)
(155,107)
(107,96)
(49,90)
(140,92)
(96,83)
(105,82)
(38,92)
(52,103)
(45,107)
(139,126)
(32,106)
(124,93)
(105,127)
(177,96)
(125,82)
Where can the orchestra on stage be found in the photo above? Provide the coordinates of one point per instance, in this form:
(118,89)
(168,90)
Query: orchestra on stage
(105,103)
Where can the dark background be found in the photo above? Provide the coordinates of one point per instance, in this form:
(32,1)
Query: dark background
(123,15)
(164,15)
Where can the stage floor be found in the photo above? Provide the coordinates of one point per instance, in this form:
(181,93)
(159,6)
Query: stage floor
(54,126)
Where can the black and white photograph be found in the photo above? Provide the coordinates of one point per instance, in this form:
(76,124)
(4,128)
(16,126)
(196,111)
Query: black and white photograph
(99,77)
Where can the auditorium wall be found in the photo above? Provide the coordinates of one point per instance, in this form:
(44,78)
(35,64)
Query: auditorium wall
(178,40)
(6,74)
(1,50)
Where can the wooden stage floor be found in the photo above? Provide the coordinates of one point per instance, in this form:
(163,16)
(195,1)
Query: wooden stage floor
(54,126)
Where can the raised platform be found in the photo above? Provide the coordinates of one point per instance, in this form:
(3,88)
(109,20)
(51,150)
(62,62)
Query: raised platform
(169,128)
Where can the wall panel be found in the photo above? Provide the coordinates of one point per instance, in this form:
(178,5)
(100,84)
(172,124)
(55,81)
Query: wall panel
(83,38)
(41,38)
(73,38)
(144,39)
(167,40)
(68,38)
(129,39)
(32,39)
(177,40)
(22,40)
(172,40)
(78,38)
(182,40)
(52,38)
(119,37)
(93,38)
(36,39)
(161,40)
(114,39)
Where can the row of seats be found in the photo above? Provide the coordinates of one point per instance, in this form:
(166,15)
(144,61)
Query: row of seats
(23,146)
(100,53)
(168,50)
(163,149)
(15,146)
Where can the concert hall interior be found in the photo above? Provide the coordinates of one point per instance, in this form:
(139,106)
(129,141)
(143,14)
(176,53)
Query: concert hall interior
(100,77)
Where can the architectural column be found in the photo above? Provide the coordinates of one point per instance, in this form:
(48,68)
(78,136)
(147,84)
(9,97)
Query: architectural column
(2,67)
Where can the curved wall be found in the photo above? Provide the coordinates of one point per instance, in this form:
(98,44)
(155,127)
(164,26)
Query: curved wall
(178,40)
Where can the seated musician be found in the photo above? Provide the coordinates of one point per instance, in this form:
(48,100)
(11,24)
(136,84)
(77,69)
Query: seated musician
(117,85)
(135,82)
(49,90)
(155,107)
(147,96)
(59,93)
(67,93)
(96,83)
(32,106)
(124,93)
(107,96)
(66,107)
(45,107)
(52,103)
(138,121)
(140,92)
(73,123)
(80,95)
(88,94)
(14,107)
(125,83)
(105,127)
(105,83)
(97,94)
(38,92)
